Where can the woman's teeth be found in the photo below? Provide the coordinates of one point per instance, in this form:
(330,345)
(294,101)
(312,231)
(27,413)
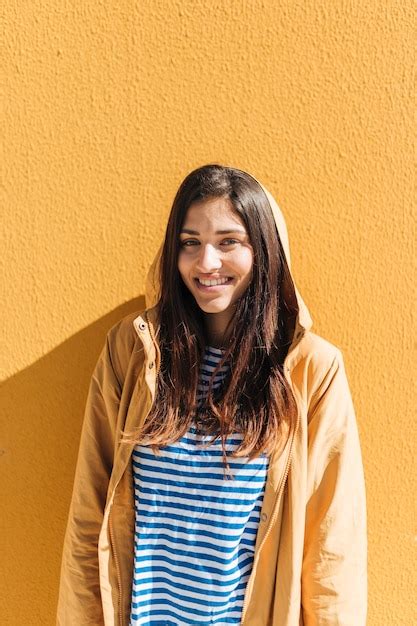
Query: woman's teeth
(211,283)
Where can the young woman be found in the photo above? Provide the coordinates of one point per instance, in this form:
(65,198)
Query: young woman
(219,478)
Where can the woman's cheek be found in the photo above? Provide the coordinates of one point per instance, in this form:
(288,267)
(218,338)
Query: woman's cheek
(184,266)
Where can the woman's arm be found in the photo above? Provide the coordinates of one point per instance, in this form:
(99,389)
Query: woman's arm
(79,600)
(334,578)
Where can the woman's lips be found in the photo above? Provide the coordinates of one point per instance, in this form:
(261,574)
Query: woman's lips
(210,288)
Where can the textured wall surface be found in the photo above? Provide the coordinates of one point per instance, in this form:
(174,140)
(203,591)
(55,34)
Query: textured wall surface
(109,105)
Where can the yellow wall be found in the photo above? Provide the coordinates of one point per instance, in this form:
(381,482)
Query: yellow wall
(109,105)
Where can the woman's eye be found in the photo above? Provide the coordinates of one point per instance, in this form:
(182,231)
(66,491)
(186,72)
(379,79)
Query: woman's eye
(188,242)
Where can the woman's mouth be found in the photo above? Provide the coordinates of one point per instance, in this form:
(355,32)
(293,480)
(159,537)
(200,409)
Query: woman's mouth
(213,284)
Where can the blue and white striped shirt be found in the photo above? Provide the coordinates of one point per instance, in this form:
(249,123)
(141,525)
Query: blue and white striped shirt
(195,532)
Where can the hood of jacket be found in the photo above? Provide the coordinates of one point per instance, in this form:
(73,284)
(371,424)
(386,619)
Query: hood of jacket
(293,300)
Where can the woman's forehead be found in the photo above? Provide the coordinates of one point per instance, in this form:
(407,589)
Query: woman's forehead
(216,212)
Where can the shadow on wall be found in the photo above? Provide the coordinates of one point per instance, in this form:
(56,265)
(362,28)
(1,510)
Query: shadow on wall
(42,414)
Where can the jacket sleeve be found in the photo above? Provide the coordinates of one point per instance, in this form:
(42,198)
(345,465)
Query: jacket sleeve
(334,573)
(79,599)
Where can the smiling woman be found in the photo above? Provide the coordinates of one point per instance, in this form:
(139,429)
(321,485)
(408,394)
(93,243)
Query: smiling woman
(215,267)
(236,492)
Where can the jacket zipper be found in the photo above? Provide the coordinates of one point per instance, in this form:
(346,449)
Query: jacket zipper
(119,578)
(272,520)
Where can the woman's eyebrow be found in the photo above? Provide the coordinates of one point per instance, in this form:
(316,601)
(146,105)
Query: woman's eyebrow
(189,231)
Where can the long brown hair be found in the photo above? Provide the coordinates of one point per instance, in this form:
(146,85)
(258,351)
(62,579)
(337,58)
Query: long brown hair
(255,398)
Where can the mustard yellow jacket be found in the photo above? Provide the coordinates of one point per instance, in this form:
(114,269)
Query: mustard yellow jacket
(310,557)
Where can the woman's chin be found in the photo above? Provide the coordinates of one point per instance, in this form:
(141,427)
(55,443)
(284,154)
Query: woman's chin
(212,308)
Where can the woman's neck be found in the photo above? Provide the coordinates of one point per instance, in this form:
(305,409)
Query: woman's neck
(217,331)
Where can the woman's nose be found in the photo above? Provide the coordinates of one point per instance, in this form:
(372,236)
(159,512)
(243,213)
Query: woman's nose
(208,259)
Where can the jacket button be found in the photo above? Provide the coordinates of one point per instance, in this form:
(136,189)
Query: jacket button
(264,517)
(142,325)
(151,364)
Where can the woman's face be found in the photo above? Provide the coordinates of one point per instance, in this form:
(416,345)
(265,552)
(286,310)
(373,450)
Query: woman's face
(215,258)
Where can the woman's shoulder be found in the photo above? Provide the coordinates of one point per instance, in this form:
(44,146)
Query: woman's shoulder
(319,367)
(318,356)
(123,340)
(123,331)
(313,346)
